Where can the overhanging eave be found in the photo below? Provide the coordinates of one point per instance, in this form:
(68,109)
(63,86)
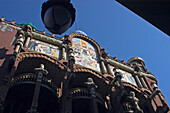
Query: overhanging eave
(156,12)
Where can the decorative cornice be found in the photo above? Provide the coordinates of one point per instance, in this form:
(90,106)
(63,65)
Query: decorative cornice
(121,66)
(47,39)
(37,35)
(129,69)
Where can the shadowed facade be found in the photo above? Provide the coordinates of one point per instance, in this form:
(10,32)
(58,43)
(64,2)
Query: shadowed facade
(72,74)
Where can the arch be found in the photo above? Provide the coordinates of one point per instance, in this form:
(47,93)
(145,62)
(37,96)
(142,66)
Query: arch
(81,100)
(27,62)
(86,38)
(82,74)
(22,93)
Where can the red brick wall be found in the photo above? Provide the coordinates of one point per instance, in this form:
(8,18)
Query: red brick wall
(7,35)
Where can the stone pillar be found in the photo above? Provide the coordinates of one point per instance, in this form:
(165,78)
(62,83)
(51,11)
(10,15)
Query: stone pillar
(71,58)
(17,48)
(40,73)
(102,57)
(137,80)
(142,80)
(20,41)
(102,65)
(28,38)
(66,106)
(71,62)
(68,80)
(91,87)
(108,67)
(63,52)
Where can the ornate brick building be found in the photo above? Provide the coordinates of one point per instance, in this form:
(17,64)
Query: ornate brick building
(40,73)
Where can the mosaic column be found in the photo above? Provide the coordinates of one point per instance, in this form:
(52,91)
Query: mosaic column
(28,37)
(17,48)
(20,41)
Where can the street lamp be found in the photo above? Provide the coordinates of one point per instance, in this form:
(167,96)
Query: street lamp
(58,15)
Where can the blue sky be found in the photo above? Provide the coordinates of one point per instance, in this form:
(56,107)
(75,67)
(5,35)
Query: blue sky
(121,32)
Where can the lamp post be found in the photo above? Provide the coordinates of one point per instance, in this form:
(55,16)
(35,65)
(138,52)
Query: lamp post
(58,15)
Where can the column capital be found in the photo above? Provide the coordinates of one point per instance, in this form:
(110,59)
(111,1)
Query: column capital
(29,34)
(40,72)
(20,32)
(91,86)
(41,69)
(64,46)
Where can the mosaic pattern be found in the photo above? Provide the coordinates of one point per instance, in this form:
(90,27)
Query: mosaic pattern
(127,77)
(5,27)
(85,54)
(45,48)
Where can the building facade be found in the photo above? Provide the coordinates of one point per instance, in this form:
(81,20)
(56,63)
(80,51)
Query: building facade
(40,73)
